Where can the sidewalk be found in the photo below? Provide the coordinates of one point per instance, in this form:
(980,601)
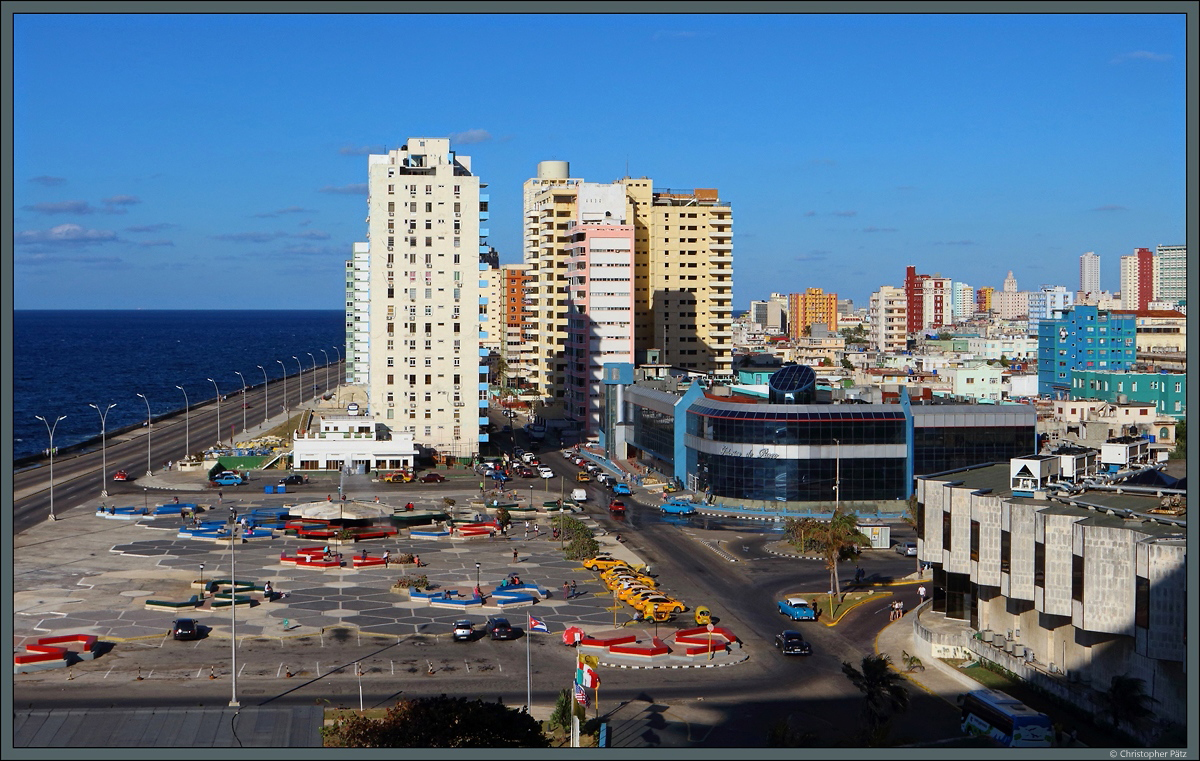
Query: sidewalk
(937,678)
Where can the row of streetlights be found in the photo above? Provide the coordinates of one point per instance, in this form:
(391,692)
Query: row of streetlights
(51,427)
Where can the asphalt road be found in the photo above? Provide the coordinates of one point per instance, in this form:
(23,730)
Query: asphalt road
(81,477)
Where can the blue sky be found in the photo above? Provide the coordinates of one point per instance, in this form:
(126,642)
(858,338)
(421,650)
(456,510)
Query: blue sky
(219,162)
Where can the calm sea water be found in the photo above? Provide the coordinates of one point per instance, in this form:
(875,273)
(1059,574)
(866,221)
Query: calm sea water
(64,360)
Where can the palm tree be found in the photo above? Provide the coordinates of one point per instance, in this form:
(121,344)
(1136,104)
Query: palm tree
(911,518)
(882,688)
(838,540)
(1126,700)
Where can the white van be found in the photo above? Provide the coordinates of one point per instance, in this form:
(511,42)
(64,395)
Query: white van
(579,495)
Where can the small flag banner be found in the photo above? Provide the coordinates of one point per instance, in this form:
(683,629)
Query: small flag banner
(586,676)
(581,695)
(537,625)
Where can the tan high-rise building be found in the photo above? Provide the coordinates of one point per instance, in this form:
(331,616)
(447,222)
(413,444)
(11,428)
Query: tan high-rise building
(426,317)
(813,307)
(889,319)
(682,274)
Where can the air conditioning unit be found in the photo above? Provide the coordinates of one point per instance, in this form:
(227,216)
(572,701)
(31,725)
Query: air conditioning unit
(459,404)
(458,213)
(391,404)
(456,387)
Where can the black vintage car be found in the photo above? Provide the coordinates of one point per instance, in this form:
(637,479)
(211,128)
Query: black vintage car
(791,642)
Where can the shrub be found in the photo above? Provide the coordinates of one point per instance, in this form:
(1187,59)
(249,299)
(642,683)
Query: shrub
(415,582)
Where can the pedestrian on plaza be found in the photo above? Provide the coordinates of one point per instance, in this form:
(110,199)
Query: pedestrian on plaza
(328,497)
(921,592)
(326,551)
(176,500)
(267,591)
(364,554)
(514,556)
(573,592)
(417,560)
(892,611)
(220,496)
(409,507)
(900,609)
(387,558)
(566,590)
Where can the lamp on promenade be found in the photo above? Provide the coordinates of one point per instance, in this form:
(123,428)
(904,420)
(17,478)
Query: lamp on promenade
(218,390)
(284,368)
(476,576)
(235,372)
(326,370)
(266,399)
(187,424)
(50,432)
(103,452)
(149,430)
(314,372)
(300,380)
(339,356)
(233,538)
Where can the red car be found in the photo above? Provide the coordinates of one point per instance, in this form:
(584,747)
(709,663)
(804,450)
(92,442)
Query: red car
(432,478)
(616,506)
(121,475)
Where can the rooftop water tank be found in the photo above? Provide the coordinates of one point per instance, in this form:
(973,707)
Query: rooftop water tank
(553,170)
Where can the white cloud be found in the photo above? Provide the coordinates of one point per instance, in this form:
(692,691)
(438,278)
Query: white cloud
(47,180)
(1142,55)
(470,136)
(68,234)
(122,200)
(360,150)
(357,189)
(61,207)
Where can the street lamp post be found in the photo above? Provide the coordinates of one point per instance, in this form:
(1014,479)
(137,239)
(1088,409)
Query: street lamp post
(201,581)
(233,701)
(218,390)
(476,577)
(235,372)
(266,399)
(103,451)
(300,380)
(339,356)
(149,431)
(284,368)
(187,424)
(50,432)
(314,372)
(326,370)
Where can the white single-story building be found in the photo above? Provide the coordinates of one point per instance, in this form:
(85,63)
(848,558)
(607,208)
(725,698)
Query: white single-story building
(345,438)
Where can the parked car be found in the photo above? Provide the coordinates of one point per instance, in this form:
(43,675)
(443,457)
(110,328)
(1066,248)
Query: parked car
(601,562)
(605,479)
(907,548)
(499,628)
(432,478)
(397,477)
(524,471)
(797,609)
(185,628)
(791,642)
(620,489)
(498,475)
(463,631)
(229,478)
(519,453)
(579,495)
(122,475)
(616,506)
(293,479)
(545,472)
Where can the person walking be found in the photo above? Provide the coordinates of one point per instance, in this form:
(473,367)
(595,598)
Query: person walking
(417,560)
(514,555)
(921,592)
(387,558)
(573,590)
(899,608)
(566,591)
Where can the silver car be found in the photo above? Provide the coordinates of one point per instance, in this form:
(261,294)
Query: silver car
(908,549)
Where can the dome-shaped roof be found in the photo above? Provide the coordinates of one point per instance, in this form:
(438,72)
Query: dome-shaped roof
(791,379)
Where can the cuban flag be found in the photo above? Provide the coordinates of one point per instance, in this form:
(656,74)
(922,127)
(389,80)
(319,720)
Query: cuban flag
(581,695)
(537,625)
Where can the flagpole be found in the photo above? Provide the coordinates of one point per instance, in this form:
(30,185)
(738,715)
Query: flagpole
(528,671)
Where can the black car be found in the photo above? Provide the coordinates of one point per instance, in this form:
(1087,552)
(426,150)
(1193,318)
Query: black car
(791,642)
(499,628)
(292,480)
(463,631)
(185,628)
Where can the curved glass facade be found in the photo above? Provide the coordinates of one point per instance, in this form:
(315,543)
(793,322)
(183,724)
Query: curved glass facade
(873,478)
(765,426)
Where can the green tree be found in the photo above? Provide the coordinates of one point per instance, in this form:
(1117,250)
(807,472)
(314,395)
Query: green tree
(846,363)
(855,335)
(1126,701)
(800,532)
(883,692)
(441,722)
(503,517)
(839,540)
(912,517)
(1180,450)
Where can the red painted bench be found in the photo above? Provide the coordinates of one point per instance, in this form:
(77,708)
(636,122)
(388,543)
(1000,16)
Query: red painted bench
(357,561)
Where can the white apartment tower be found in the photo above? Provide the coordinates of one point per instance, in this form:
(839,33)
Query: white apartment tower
(426,304)
(1089,274)
(358,316)
(1170,273)
(888,315)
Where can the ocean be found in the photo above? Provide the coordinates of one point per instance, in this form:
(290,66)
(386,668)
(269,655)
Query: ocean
(65,359)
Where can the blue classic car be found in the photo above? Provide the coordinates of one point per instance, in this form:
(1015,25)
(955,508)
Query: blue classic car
(622,489)
(678,507)
(797,609)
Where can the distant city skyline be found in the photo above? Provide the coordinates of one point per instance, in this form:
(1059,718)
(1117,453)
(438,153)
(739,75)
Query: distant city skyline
(196,161)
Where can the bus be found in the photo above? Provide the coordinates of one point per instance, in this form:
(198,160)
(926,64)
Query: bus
(1005,719)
